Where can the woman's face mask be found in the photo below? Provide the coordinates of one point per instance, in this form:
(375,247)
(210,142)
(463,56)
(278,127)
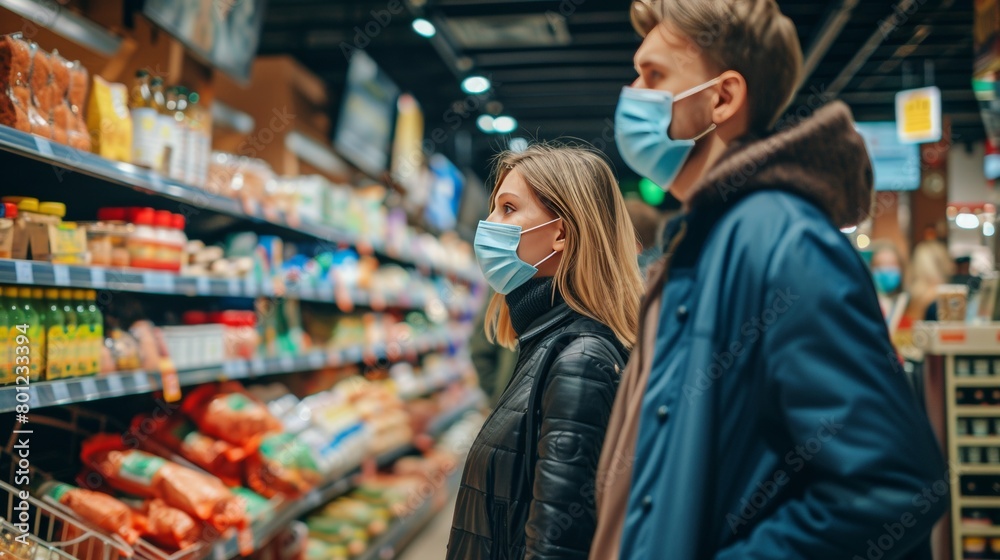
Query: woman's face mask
(887,279)
(496,252)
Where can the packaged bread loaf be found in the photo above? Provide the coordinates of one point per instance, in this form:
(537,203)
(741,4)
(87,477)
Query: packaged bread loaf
(62,114)
(15,92)
(79,136)
(40,110)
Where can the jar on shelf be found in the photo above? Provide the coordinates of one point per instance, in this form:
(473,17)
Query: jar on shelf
(241,338)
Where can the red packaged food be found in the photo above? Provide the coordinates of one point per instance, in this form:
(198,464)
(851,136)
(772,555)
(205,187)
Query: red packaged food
(228,412)
(179,435)
(142,474)
(102,510)
(15,90)
(167,526)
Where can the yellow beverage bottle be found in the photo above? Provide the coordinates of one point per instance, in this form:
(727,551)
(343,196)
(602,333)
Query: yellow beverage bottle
(84,340)
(6,372)
(96,331)
(35,334)
(38,302)
(15,319)
(71,354)
(55,335)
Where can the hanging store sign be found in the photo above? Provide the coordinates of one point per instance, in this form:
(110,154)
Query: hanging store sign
(918,115)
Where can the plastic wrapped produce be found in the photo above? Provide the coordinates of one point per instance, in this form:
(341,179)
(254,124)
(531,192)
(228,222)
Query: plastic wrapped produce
(40,110)
(15,89)
(103,511)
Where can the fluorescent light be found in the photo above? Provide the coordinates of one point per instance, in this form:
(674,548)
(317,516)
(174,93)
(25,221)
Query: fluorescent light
(504,124)
(485,123)
(989,229)
(476,84)
(966,220)
(424,28)
(849,230)
(863,241)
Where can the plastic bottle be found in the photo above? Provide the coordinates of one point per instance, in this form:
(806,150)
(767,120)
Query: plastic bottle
(15,318)
(6,350)
(199,140)
(96,331)
(179,158)
(142,244)
(38,303)
(55,335)
(145,137)
(84,332)
(165,126)
(70,325)
(36,335)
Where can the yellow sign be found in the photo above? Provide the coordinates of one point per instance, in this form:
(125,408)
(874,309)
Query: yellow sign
(918,115)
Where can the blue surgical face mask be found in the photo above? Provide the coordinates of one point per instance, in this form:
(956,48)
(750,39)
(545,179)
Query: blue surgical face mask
(642,120)
(496,250)
(887,279)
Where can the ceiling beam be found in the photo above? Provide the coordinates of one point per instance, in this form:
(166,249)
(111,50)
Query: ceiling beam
(540,58)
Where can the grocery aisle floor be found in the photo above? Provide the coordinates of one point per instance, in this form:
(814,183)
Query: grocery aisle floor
(432,542)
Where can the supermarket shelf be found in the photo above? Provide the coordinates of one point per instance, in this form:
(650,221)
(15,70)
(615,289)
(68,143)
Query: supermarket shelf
(980,501)
(979,469)
(978,381)
(67,23)
(144,180)
(442,423)
(966,411)
(957,338)
(37,273)
(974,440)
(84,389)
(979,531)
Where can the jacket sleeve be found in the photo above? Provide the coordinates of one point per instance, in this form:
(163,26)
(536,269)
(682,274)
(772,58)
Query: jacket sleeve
(576,406)
(845,419)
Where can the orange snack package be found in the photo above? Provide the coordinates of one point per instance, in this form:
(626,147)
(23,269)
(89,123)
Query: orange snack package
(15,90)
(142,474)
(167,526)
(102,510)
(228,412)
(178,435)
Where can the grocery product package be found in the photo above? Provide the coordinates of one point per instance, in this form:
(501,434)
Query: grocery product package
(101,510)
(228,412)
(282,465)
(141,474)
(179,435)
(15,89)
(78,133)
(109,120)
(40,109)
(62,113)
(168,526)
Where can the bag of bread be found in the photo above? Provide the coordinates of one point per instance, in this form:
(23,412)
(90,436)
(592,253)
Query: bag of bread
(79,135)
(15,90)
(148,476)
(62,114)
(228,412)
(103,511)
(179,435)
(40,78)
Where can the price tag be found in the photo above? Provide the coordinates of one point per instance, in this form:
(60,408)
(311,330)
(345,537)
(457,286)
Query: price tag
(98,277)
(317,360)
(234,287)
(267,287)
(306,291)
(257,365)
(141,379)
(60,392)
(156,282)
(249,287)
(24,271)
(156,182)
(44,147)
(287,363)
(219,551)
(234,369)
(203,285)
(89,387)
(61,272)
(115,386)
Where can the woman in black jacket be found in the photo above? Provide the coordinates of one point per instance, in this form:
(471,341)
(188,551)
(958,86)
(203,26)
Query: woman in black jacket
(560,251)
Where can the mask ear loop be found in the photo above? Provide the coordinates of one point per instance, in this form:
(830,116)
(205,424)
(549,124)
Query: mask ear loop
(692,91)
(545,259)
(540,225)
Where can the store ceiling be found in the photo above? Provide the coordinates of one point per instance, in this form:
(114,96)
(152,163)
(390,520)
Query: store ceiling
(558,66)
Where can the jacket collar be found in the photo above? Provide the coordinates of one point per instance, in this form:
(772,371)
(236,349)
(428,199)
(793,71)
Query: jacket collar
(821,158)
(550,319)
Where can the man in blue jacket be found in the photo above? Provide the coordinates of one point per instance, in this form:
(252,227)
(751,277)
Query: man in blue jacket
(763,413)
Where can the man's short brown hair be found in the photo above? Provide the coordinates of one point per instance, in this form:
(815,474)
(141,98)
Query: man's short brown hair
(751,37)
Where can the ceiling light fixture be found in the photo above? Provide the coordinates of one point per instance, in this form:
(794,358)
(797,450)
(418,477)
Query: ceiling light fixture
(504,124)
(476,84)
(967,220)
(424,28)
(485,123)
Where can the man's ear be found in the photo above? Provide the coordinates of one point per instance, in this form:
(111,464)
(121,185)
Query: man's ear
(731,98)
(560,243)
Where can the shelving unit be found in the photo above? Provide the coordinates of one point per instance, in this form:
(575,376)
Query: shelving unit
(126,175)
(945,343)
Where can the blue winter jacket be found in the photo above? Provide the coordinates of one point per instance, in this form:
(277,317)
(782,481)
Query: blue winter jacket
(776,422)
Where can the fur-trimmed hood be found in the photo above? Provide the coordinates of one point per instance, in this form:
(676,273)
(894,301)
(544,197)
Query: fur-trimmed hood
(822,158)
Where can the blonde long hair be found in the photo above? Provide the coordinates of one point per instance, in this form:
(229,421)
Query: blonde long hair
(598,275)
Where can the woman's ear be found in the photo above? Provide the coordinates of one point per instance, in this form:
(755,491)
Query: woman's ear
(560,242)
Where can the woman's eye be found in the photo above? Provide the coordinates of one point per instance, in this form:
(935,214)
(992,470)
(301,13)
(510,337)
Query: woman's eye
(507,209)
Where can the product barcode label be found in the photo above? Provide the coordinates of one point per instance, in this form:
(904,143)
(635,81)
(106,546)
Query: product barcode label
(44,147)
(24,271)
(98,277)
(141,381)
(204,286)
(60,392)
(158,282)
(234,369)
(115,385)
(61,272)
(88,386)
(234,286)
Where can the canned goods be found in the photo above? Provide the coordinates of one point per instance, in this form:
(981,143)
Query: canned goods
(981,367)
(981,427)
(993,455)
(962,426)
(962,367)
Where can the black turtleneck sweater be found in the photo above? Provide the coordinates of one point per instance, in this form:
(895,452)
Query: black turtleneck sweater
(531,301)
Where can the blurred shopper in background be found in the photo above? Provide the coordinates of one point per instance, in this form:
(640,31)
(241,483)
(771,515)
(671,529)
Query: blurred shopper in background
(648,224)
(494,364)
(887,273)
(560,251)
(762,414)
(930,267)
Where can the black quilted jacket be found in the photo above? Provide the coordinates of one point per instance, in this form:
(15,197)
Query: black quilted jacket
(500,514)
